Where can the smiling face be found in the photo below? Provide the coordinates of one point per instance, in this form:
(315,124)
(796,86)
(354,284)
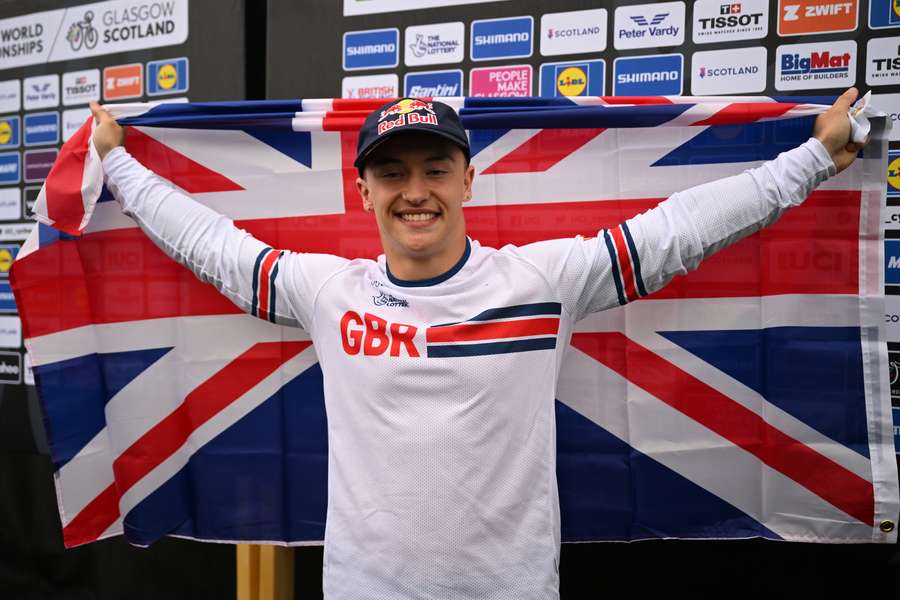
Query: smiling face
(415,184)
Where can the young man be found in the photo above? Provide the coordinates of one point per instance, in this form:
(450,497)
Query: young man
(440,401)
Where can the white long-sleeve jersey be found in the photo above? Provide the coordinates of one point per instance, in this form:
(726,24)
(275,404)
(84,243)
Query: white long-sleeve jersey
(440,393)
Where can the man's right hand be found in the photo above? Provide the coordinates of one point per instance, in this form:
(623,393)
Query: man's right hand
(108,134)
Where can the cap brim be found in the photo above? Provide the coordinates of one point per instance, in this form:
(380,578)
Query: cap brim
(361,159)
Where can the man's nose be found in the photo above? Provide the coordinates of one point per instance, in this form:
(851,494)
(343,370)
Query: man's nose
(416,189)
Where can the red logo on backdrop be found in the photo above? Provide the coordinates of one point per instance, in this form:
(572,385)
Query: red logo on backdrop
(407,112)
(123,81)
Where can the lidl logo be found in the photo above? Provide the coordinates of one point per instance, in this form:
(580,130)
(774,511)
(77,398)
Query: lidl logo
(573,78)
(893,174)
(884,13)
(9,132)
(167,76)
(8,254)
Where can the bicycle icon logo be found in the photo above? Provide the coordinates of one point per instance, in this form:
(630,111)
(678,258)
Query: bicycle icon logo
(82,33)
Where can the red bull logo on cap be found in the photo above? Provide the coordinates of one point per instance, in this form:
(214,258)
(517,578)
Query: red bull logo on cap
(407,112)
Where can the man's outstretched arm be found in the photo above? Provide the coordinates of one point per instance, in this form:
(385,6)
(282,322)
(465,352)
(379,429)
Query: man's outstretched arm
(675,236)
(266,282)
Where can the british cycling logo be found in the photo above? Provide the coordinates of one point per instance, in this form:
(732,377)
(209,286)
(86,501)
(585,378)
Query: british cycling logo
(82,33)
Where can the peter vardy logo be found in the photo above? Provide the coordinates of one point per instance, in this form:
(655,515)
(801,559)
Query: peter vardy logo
(433,84)
(649,25)
(373,49)
(502,38)
(41,91)
(659,75)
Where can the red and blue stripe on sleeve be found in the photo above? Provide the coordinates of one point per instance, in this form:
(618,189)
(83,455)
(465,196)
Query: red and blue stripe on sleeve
(626,264)
(264,272)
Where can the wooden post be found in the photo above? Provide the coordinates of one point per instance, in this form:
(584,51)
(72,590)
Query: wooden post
(265,572)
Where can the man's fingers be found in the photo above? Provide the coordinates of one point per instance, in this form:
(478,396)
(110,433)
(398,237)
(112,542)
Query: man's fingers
(846,99)
(100,115)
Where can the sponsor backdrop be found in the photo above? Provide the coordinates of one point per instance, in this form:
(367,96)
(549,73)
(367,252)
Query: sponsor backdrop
(56,56)
(387,48)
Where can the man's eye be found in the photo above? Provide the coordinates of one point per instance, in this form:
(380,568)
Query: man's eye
(390,174)
(437,172)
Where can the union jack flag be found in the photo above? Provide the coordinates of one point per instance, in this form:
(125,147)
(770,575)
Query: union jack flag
(749,398)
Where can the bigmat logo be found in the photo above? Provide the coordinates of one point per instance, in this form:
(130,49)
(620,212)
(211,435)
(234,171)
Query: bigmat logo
(493,39)
(433,84)
(799,17)
(718,21)
(883,61)
(884,13)
(584,78)
(649,25)
(659,75)
(372,49)
(817,65)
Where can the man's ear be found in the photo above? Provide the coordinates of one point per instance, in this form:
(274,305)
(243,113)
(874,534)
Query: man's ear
(363,188)
(470,177)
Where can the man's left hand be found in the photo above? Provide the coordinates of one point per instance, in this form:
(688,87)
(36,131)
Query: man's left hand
(832,128)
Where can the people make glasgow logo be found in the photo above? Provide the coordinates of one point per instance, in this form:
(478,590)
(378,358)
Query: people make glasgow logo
(82,33)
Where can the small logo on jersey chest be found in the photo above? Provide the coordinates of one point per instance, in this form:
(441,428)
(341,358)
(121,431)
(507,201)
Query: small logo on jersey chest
(385,299)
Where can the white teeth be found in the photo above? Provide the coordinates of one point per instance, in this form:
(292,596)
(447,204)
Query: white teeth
(416,216)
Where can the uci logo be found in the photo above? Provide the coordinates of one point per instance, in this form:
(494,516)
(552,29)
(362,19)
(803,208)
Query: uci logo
(375,336)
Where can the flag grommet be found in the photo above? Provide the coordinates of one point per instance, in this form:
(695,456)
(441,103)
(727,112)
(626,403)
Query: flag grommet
(886,526)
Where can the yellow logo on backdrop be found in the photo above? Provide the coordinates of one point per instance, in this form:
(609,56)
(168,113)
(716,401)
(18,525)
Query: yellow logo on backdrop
(572,81)
(5,132)
(167,76)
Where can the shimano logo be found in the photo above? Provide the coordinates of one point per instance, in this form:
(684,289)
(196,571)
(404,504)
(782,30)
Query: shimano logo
(647,77)
(369,49)
(502,38)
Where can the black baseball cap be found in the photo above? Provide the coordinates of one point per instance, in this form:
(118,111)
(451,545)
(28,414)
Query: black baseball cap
(409,114)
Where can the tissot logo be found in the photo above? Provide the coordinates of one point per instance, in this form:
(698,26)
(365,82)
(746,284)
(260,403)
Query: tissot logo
(883,66)
(732,21)
(649,25)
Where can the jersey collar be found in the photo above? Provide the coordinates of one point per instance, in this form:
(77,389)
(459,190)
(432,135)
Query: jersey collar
(432,280)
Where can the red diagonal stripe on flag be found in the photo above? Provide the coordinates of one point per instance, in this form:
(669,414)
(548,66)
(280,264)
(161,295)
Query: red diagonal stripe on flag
(740,112)
(744,428)
(184,172)
(63,186)
(543,150)
(492,331)
(162,440)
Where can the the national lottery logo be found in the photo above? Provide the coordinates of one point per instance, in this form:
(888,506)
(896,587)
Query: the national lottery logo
(435,44)
(802,66)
